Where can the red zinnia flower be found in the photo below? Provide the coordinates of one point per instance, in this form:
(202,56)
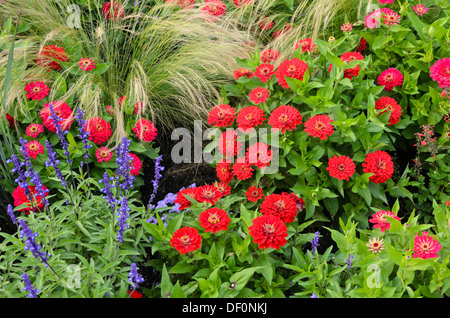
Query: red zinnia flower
(281,31)
(319,126)
(341,167)
(285,117)
(265,23)
(182,200)
(390,78)
(36,90)
(440,72)
(20,198)
(380,164)
(420,9)
(425,246)
(381,221)
(268,231)
(242,170)
(49,56)
(348,57)
(346,27)
(249,117)
(214,220)
(86,64)
(264,72)
(145,130)
(240,3)
(391,18)
(280,205)
(228,144)
(243,71)
(372,20)
(294,68)
(112,10)
(259,154)
(223,170)
(186,240)
(135,164)
(254,193)
(207,193)
(110,109)
(389,104)
(307,45)
(134,294)
(99,130)
(11,120)
(270,55)
(103,154)
(34,148)
(259,95)
(221,115)
(33,130)
(214,9)
(223,188)
(62,110)
(180,3)
(362,45)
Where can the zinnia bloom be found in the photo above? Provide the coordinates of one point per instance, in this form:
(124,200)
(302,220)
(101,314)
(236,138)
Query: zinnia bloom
(349,57)
(214,220)
(264,72)
(240,3)
(186,239)
(265,23)
(341,167)
(103,154)
(20,198)
(49,56)
(425,246)
(62,110)
(223,188)
(99,130)
(281,31)
(259,154)
(86,64)
(11,120)
(259,95)
(34,148)
(380,220)
(254,193)
(223,171)
(134,294)
(347,27)
(372,20)
(362,45)
(145,130)
(228,144)
(249,117)
(380,164)
(113,10)
(386,1)
(293,68)
(243,72)
(135,164)
(207,193)
(213,9)
(36,90)
(440,72)
(420,9)
(242,170)
(268,231)
(33,130)
(221,115)
(280,205)
(285,117)
(376,245)
(181,199)
(319,126)
(307,45)
(390,78)
(391,18)
(389,104)
(270,55)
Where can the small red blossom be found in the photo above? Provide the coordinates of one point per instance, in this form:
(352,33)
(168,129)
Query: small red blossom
(390,78)
(33,130)
(243,72)
(214,220)
(420,9)
(223,171)
(285,117)
(213,9)
(254,194)
(223,188)
(391,18)
(145,130)
(36,90)
(349,57)
(62,110)
(341,167)
(249,117)
(207,193)
(20,198)
(113,10)
(269,56)
(86,64)
(265,23)
(50,56)
(307,45)
(103,154)
(34,148)
(182,200)
(134,294)
(281,205)
(268,231)
(99,130)
(388,104)
(281,31)
(372,20)
(240,3)
(319,126)
(293,68)
(259,95)
(242,170)
(362,45)
(380,164)
(221,115)
(440,72)
(229,146)
(186,239)
(259,154)
(11,120)
(347,27)
(265,72)
(135,164)
(426,247)
(380,221)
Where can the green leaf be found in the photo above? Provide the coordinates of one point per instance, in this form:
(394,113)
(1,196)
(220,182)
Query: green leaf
(240,279)
(101,68)
(166,284)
